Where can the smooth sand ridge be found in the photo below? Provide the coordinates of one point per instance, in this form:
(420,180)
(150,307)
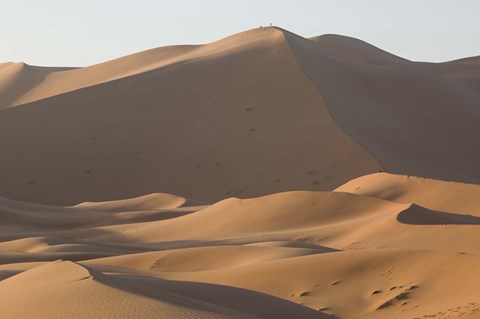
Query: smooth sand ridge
(363,284)
(22,83)
(147,202)
(21,212)
(433,194)
(64,289)
(220,114)
(290,213)
(464,71)
(326,219)
(17,79)
(31,83)
(81,293)
(287,255)
(354,50)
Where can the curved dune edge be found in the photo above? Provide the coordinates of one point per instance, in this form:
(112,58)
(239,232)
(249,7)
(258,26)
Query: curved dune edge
(433,194)
(61,284)
(304,254)
(142,203)
(51,81)
(388,94)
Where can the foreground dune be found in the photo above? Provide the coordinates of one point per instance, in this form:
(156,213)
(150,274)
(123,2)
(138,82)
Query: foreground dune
(379,246)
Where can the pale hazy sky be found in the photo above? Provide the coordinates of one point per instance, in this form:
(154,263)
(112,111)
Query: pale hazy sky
(84,32)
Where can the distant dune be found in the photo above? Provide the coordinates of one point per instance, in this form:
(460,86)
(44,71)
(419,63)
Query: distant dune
(259,112)
(265,175)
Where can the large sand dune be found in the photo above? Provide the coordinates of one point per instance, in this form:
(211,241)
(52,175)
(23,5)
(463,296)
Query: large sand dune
(272,144)
(259,112)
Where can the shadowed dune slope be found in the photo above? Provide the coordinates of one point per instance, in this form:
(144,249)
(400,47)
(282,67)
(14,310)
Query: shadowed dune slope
(413,120)
(417,215)
(354,50)
(464,71)
(69,290)
(17,79)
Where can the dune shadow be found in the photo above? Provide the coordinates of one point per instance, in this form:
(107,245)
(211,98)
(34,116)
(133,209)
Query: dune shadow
(417,215)
(227,297)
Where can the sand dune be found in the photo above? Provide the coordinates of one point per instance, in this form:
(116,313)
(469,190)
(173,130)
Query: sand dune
(32,83)
(432,194)
(354,50)
(464,71)
(374,254)
(166,119)
(65,296)
(272,144)
(147,202)
(199,127)
(156,121)
(407,116)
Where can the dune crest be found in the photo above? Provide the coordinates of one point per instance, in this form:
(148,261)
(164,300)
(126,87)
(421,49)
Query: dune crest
(433,194)
(147,202)
(297,113)
(170,128)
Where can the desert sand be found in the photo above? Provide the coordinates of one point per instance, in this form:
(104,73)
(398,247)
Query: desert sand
(265,175)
